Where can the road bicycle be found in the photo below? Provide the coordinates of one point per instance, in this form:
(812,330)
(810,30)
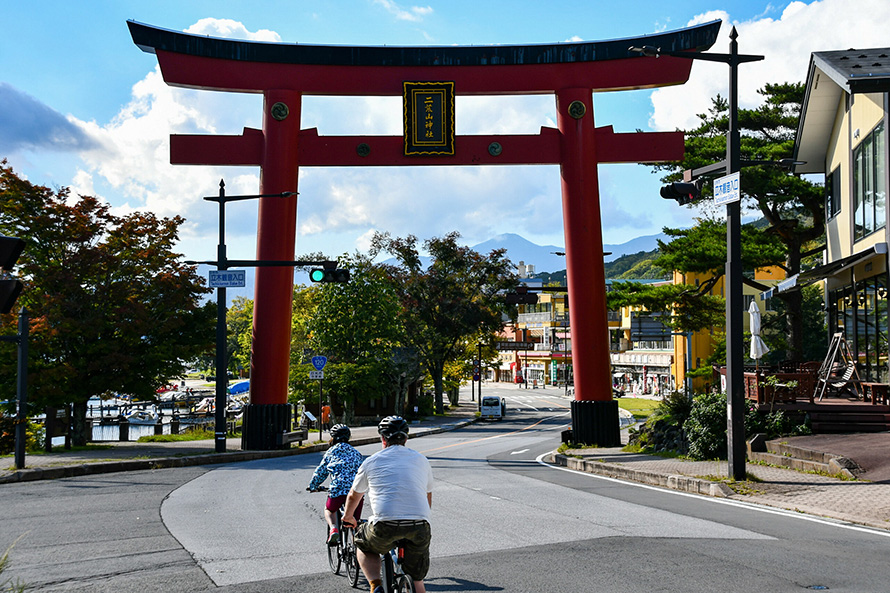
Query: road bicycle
(343,554)
(394,578)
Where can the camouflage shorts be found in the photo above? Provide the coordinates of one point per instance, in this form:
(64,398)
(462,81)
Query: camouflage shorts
(381,536)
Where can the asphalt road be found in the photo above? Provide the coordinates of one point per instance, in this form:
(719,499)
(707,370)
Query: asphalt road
(502,521)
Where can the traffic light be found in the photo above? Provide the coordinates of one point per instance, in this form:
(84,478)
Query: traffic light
(522,297)
(329,275)
(10,288)
(683,192)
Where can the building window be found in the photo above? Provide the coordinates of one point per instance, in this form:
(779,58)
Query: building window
(833,194)
(860,312)
(869,192)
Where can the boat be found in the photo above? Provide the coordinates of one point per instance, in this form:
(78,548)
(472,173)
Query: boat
(141,417)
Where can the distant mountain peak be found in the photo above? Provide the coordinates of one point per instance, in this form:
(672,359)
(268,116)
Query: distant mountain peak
(543,258)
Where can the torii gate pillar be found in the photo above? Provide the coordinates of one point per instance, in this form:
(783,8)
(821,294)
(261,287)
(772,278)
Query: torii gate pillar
(594,412)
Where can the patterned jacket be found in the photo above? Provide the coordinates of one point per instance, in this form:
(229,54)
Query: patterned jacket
(340,462)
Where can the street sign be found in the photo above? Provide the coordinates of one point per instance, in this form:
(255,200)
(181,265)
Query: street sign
(727,189)
(318,362)
(316,374)
(227,279)
(515,346)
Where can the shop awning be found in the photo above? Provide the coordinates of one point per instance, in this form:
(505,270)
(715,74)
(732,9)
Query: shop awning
(824,271)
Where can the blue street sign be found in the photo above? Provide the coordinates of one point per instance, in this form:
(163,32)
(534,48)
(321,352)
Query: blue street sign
(227,279)
(319,361)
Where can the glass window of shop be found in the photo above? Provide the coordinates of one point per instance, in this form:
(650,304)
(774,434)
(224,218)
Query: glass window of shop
(860,311)
(869,191)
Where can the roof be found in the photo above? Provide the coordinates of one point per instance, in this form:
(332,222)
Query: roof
(824,271)
(830,75)
(151,39)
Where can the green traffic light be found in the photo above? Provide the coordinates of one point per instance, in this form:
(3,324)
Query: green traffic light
(316,275)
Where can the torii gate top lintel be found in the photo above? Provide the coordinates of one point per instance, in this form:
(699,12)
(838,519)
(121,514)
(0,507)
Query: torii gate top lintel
(247,66)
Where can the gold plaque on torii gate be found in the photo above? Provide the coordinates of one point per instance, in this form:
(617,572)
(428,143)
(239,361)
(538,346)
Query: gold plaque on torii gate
(429,118)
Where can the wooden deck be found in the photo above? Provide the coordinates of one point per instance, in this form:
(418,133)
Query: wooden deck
(793,392)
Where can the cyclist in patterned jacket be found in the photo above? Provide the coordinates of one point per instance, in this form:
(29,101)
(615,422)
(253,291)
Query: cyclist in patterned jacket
(341,461)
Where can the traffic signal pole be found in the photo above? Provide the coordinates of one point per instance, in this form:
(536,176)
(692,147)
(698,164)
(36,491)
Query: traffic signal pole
(256,435)
(735,380)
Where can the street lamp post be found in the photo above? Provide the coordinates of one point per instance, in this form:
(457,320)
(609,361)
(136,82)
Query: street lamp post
(735,386)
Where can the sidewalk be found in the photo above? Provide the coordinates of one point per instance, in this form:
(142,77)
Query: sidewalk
(131,455)
(855,501)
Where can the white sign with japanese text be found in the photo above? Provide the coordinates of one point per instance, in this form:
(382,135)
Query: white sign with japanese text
(727,189)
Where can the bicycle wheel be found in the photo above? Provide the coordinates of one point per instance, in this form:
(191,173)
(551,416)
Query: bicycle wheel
(404,584)
(349,557)
(334,558)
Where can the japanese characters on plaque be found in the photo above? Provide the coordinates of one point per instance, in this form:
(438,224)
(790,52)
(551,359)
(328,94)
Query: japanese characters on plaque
(429,118)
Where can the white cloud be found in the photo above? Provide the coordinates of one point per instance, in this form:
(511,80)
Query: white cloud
(786,42)
(339,208)
(230,29)
(414,13)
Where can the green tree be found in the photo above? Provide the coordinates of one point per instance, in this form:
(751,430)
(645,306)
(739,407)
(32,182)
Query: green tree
(685,309)
(113,307)
(793,207)
(304,305)
(239,332)
(454,298)
(356,324)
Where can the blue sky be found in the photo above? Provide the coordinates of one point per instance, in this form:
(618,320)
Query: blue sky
(82,106)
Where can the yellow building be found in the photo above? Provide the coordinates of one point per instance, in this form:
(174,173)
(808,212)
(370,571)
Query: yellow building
(843,135)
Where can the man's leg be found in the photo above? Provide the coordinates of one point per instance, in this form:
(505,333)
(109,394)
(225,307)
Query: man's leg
(370,565)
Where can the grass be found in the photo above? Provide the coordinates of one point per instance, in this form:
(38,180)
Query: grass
(744,487)
(563,447)
(640,408)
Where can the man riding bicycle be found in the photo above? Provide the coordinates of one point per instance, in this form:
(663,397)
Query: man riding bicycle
(399,483)
(340,461)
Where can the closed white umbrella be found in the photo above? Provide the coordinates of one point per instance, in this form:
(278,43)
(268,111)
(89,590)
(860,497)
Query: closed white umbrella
(758,347)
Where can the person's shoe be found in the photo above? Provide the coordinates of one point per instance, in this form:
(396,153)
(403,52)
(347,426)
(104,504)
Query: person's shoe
(378,590)
(334,537)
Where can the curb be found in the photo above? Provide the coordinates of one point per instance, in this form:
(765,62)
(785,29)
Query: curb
(127,465)
(673,482)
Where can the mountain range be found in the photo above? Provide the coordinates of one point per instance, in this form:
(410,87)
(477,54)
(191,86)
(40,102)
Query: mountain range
(519,249)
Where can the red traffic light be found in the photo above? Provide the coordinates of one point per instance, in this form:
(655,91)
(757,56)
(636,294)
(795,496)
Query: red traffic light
(682,191)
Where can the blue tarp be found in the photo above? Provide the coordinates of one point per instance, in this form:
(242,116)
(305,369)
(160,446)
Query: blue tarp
(242,387)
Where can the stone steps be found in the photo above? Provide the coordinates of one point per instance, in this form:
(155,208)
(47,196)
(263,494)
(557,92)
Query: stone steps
(779,453)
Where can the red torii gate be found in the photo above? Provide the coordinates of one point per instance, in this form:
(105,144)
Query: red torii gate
(283,73)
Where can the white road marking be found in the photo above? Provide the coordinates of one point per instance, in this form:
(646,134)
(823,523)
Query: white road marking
(735,503)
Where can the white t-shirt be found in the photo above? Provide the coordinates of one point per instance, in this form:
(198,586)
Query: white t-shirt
(396,481)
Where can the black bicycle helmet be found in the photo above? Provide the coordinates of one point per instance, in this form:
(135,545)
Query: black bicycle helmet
(340,433)
(391,426)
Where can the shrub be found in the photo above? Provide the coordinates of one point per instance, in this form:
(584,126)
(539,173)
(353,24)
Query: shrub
(706,427)
(34,434)
(774,424)
(663,430)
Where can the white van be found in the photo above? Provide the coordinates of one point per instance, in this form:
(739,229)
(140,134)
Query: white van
(493,407)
